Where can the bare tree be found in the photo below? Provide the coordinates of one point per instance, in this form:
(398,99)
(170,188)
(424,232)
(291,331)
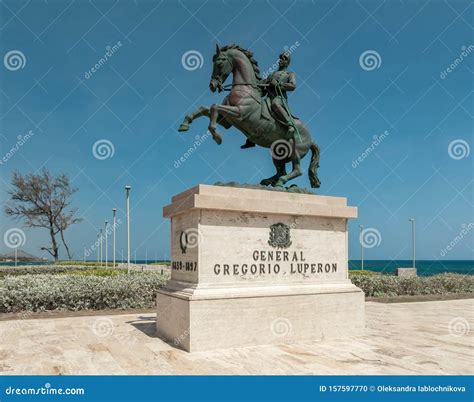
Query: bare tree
(42,200)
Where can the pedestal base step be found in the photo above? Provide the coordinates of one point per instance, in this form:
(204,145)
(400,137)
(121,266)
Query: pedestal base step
(206,324)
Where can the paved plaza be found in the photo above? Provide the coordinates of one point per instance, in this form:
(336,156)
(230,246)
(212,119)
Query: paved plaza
(405,338)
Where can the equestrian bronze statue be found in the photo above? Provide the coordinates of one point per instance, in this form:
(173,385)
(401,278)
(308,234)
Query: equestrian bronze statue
(259,109)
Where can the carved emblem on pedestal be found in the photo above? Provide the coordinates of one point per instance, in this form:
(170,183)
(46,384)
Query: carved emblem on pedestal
(183,241)
(279,236)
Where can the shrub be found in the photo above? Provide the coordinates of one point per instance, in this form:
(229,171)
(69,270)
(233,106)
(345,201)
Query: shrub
(362,272)
(390,285)
(83,263)
(78,292)
(55,269)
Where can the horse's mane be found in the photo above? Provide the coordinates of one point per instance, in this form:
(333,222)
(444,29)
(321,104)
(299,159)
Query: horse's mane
(249,55)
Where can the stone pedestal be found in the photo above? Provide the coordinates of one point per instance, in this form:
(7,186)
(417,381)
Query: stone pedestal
(406,272)
(253,267)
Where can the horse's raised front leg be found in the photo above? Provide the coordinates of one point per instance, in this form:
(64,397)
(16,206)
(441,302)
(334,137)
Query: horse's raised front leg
(188,119)
(223,110)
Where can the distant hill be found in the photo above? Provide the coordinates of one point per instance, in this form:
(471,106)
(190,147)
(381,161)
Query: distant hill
(22,256)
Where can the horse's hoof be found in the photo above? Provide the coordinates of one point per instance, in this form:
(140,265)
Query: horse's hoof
(218,139)
(183,127)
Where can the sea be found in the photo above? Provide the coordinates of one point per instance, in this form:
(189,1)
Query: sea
(424,267)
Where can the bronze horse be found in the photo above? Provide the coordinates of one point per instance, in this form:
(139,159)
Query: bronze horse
(243,109)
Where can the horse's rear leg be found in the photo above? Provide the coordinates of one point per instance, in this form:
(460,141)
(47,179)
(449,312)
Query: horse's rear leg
(293,174)
(188,119)
(281,171)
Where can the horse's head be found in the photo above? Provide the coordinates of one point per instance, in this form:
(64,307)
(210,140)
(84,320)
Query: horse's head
(222,67)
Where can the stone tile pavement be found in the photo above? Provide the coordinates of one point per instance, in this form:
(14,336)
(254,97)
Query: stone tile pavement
(405,338)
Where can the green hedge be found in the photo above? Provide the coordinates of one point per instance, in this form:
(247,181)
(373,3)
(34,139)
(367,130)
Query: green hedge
(73,292)
(57,269)
(390,285)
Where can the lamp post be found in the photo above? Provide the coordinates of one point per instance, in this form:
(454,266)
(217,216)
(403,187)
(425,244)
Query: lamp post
(17,243)
(100,247)
(127,192)
(412,220)
(84,253)
(361,227)
(114,223)
(106,242)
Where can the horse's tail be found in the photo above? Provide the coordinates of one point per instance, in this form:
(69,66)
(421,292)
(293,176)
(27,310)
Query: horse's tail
(313,166)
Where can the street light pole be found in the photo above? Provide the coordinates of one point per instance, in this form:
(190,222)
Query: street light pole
(98,248)
(16,252)
(127,192)
(114,211)
(106,243)
(412,220)
(361,227)
(101,247)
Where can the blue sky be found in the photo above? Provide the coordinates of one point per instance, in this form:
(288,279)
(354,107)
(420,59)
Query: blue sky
(422,168)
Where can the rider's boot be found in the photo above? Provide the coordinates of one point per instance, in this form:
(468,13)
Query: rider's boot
(248,144)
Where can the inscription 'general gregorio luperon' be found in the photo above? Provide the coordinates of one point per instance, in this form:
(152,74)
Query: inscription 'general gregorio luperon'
(274,263)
